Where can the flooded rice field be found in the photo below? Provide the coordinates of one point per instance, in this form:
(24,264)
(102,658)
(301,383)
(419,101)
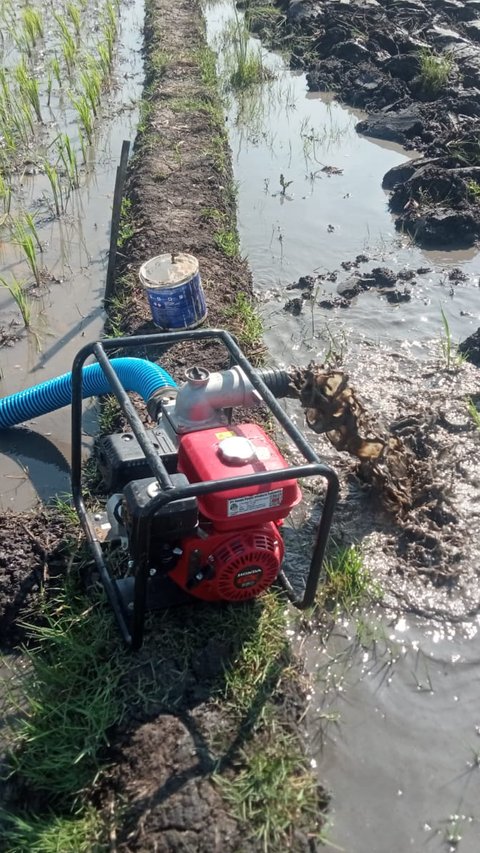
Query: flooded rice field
(58,207)
(393,717)
(331,211)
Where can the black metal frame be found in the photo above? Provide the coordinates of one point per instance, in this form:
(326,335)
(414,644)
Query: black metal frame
(133,636)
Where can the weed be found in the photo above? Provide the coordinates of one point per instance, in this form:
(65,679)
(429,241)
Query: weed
(434,71)
(473,189)
(109,414)
(16,289)
(245,322)
(452,357)
(346,580)
(246,64)
(159,61)
(284,184)
(207,62)
(227,241)
(126,229)
(473,412)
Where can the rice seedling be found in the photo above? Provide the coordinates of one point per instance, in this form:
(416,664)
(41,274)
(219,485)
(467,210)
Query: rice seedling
(69,51)
(30,221)
(109,41)
(82,105)
(5,194)
(16,289)
(56,187)
(68,158)
(74,13)
(26,242)
(111,16)
(92,86)
(69,45)
(105,59)
(49,88)
(32,26)
(29,88)
(56,70)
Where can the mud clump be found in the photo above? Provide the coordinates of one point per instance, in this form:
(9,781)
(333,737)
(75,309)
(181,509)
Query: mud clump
(381,279)
(470,348)
(394,461)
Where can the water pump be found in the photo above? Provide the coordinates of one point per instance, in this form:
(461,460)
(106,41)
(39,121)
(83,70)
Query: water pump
(198,501)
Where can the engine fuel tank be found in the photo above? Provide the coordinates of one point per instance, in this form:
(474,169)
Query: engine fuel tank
(237,450)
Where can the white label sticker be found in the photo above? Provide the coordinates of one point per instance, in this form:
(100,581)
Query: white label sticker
(255,503)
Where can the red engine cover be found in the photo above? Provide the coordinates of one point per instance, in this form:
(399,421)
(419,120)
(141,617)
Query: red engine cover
(212,455)
(231,566)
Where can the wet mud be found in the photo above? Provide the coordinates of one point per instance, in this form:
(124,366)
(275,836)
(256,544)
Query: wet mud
(414,68)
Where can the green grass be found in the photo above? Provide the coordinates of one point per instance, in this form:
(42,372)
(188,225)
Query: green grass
(126,229)
(245,322)
(347,582)
(226,239)
(69,699)
(434,71)
(273,792)
(206,59)
(77,682)
(26,833)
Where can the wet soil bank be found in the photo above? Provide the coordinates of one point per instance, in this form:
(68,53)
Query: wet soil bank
(414,67)
(162,760)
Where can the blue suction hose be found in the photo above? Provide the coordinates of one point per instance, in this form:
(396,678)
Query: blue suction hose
(135,374)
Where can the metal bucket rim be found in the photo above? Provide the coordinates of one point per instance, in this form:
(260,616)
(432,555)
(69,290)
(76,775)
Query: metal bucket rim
(148,283)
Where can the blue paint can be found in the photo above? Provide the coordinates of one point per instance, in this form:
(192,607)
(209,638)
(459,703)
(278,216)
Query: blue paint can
(174,291)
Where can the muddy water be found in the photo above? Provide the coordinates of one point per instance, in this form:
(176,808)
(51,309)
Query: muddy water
(318,221)
(393,720)
(395,728)
(67,308)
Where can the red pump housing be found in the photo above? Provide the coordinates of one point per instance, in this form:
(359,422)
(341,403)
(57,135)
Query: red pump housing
(239,551)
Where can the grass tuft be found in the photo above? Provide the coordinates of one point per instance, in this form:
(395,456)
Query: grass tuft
(79,833)
(245,322)
(273,793)
(434,71)
(69,697)
(347,581)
